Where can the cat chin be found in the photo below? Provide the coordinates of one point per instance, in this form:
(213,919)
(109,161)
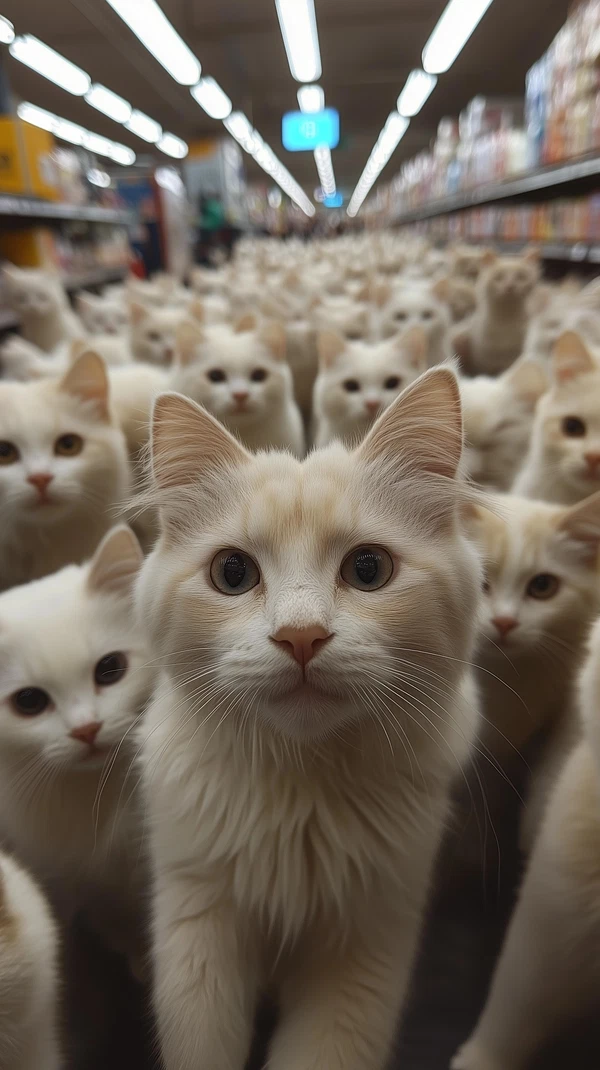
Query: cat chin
(306,715)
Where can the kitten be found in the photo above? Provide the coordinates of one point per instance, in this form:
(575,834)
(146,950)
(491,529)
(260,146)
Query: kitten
(350,317)
(468,261)
(495,335)
(240,375)
(74,679)
(295,780)
(498,415)
(563,461)
(417,303)
(102,315)
(461,299)
(28,974)
(63,470)
(357,381)
(153,331)
(548,972)
(40,302)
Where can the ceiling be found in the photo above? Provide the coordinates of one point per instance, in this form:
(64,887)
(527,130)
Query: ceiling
(367,48)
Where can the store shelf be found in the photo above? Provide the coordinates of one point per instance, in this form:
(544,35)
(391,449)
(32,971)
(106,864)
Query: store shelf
(558,175)
(31,208)
(81,281)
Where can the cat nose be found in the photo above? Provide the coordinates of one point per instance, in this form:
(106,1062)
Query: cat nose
(504,625)
(593,460)
(86,733)
(240,395)
(372,406)
(302,644)
(40,480)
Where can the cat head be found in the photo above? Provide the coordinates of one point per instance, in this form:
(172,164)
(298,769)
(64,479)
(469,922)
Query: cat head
(60,447)
(498,414)
(567,426)
(542,584)
(153,332)
(313,591)
(468,261)
(415,304)
(461,298)
(238,373)
(348,316)
(32,293)
(102,315)
(74,673)
(509,279)
(358,380)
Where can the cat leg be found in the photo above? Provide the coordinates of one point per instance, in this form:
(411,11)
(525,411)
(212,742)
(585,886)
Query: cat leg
(205,979)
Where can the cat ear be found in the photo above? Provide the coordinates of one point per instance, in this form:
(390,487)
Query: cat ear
(188,336)
(11,273)
(381,294)
(422,428)
(196,310)
(571,358)
(248,322)
(528,380)
(87,381)
(84,302)
(272,335)
(532,254)
(187,442)
(581,523)
(137,312)
(329,346)
(116,562)
(441,290)
(489,257)
(415,346)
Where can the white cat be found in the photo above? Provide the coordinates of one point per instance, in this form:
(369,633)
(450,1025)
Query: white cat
(350,317)
(417,303)
(74,679)
(240,375)
(358,380)
(153,331)
(28,974)
(64,471)
(41,304)
(563,461)
(295,781)
(102,315)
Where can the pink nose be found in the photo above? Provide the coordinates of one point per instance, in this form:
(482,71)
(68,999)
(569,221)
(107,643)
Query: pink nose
(504,625)
(240,395)
(86,733)
(593,460)
(302,643)
(40,480)
(372,406)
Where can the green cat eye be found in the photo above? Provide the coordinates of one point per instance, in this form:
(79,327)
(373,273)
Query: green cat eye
(234,572)
(368,568)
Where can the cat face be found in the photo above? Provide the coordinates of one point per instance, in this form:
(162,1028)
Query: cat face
(415,304)
(350,318)
(541,578)
(239,374)
(304,588)
(101,315)
(31,293)
(510,279)
(59,447)
(153,333)
(73,668)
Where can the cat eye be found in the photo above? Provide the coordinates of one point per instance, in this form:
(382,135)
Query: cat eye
(401,316)
(353,336)
(427,314)
(351,385)
(68,445)
(234,572)
(392,382)
(111,669)
(368,569)
(216,375)
(154,336)
(8,453)
(30,701)
(542,586)
(573,427)
(258,375)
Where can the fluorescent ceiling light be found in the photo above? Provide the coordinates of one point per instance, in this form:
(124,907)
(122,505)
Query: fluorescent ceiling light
(299,30)
(240,128)
(143,126)
(325,169)
(108,103)
(395,127)
(173,146)
(151,26)
(211,97)
(238,125)
(50,64)
(7,31)
(311,98)
(451,34)
(419,87)
(76,135)
(98,178)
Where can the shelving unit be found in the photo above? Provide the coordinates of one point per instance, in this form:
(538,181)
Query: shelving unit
(34,209)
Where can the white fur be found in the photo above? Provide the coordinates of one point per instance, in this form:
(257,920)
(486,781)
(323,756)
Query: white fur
(103,315)
(41,304)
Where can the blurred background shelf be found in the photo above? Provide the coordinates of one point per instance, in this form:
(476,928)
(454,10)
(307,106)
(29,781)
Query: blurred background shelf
(36,209)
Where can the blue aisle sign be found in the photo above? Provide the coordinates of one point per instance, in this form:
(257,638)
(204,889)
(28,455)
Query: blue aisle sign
(336,200)
(303,131)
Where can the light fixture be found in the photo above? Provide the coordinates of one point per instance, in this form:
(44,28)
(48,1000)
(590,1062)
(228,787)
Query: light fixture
(151,26)
(211,97)
(393,131)
(109,103)
(325,170)
(7,31)
(143,126)
(76,135)
(311,98)
(98,178)
(240,128)
(173,146)
(50,64)
(455,26)
(299,30)
(419,87)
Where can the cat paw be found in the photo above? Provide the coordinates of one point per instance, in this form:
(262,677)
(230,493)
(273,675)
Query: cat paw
(472,1056)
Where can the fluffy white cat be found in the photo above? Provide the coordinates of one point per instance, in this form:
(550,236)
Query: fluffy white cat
(102,315)
(64,471)
(295,781)
(153,331)
(416,303)
(41,304)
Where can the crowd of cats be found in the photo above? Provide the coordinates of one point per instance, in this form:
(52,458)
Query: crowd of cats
(289,554)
